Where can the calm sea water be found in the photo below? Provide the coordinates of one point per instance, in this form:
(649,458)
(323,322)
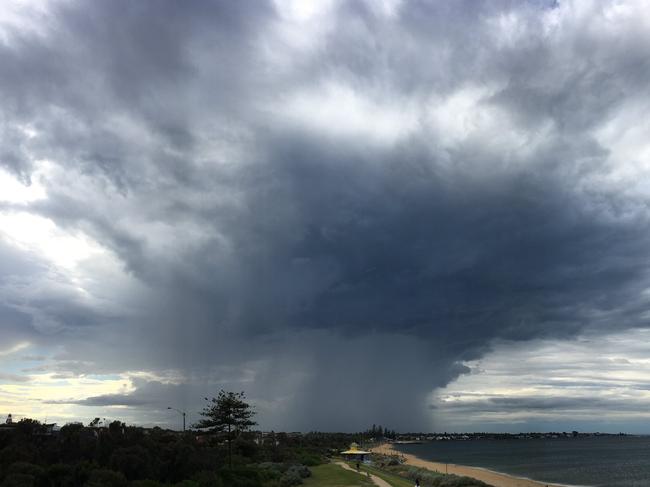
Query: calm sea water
(604,461)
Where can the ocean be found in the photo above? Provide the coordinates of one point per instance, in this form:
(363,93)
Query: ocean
(600,461)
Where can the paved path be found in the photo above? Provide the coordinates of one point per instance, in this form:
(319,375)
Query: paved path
(378,482)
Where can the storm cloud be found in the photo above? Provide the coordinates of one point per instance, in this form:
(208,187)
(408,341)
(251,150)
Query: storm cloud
(324,205)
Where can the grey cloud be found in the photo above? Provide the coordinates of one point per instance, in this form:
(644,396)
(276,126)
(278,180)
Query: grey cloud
(146,393)
(34,358)
(14,378)
(147,404)
(65,369)
(256,237)
(556,405)
(104,400)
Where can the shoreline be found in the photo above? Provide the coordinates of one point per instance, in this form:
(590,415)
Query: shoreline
(496,479)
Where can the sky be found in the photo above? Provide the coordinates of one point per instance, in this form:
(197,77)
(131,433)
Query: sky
(432,216)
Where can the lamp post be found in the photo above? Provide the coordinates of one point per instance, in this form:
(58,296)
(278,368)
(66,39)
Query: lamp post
(182,413)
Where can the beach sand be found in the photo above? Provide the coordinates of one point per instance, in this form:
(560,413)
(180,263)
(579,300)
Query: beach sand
(489,477)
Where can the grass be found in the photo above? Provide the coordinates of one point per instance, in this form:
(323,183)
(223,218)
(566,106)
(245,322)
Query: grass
(331,475)
(392,479)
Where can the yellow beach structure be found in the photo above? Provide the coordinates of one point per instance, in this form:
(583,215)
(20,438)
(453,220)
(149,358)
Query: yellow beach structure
(353,453)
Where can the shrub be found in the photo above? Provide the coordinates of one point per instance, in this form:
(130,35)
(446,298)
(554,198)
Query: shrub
(134,462)
(60,474)
(146,483)
(205,479)
(36,472)
(241,477)
(27,468)
(393,461)
(434,479)
(18,453)
(301,470)
(456,481)
(186,483)
(271,471)
(310,459)
(19,480)
(106,478)
(290,478)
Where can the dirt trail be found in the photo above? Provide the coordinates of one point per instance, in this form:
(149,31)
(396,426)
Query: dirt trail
(378,482)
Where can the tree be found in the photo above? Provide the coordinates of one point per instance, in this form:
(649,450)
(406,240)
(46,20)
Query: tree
(227,413)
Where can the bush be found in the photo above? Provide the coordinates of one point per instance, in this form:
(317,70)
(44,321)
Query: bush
(274,466)
(19,480)
(241,477)
(27,468)
(271,471)
(456,481)
(35,472)
(205,479)
(434,479)
(310,459)
(290,478)
(285,474)
(186,483)
(18,453)
(301,470)
(134,462)
(60,474)
(82,471)
(147,483)
(106,478)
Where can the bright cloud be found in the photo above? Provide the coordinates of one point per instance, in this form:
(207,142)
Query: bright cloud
(546,382)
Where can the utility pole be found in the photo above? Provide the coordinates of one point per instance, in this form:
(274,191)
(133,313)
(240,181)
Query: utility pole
(182,413)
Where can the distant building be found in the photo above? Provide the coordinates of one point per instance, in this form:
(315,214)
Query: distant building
(8,425)
(48,430)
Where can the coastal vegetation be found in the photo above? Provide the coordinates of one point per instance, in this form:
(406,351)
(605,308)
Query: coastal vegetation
(431,479)
(118,455)
(397,474)
(332,475)
(221,451)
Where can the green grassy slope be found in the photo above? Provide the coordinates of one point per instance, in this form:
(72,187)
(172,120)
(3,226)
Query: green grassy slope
(331,475)
(392,479)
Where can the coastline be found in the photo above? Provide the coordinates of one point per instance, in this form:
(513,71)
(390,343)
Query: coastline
(496,479)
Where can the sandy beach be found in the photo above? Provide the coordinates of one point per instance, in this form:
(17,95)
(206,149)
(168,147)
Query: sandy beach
(493,478)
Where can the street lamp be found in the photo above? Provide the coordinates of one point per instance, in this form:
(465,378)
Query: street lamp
(182,413)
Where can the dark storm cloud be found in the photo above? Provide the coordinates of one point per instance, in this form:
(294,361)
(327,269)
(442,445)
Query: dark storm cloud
(377,266)
(105,400)
(556,405)
(147,393)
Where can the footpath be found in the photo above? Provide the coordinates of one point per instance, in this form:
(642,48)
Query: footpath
(377,481)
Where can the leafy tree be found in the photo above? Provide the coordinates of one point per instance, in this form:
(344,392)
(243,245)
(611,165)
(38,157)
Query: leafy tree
(133,461)
(106,478)
(228,413)
(18,480)
(60,474)
(27,427)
